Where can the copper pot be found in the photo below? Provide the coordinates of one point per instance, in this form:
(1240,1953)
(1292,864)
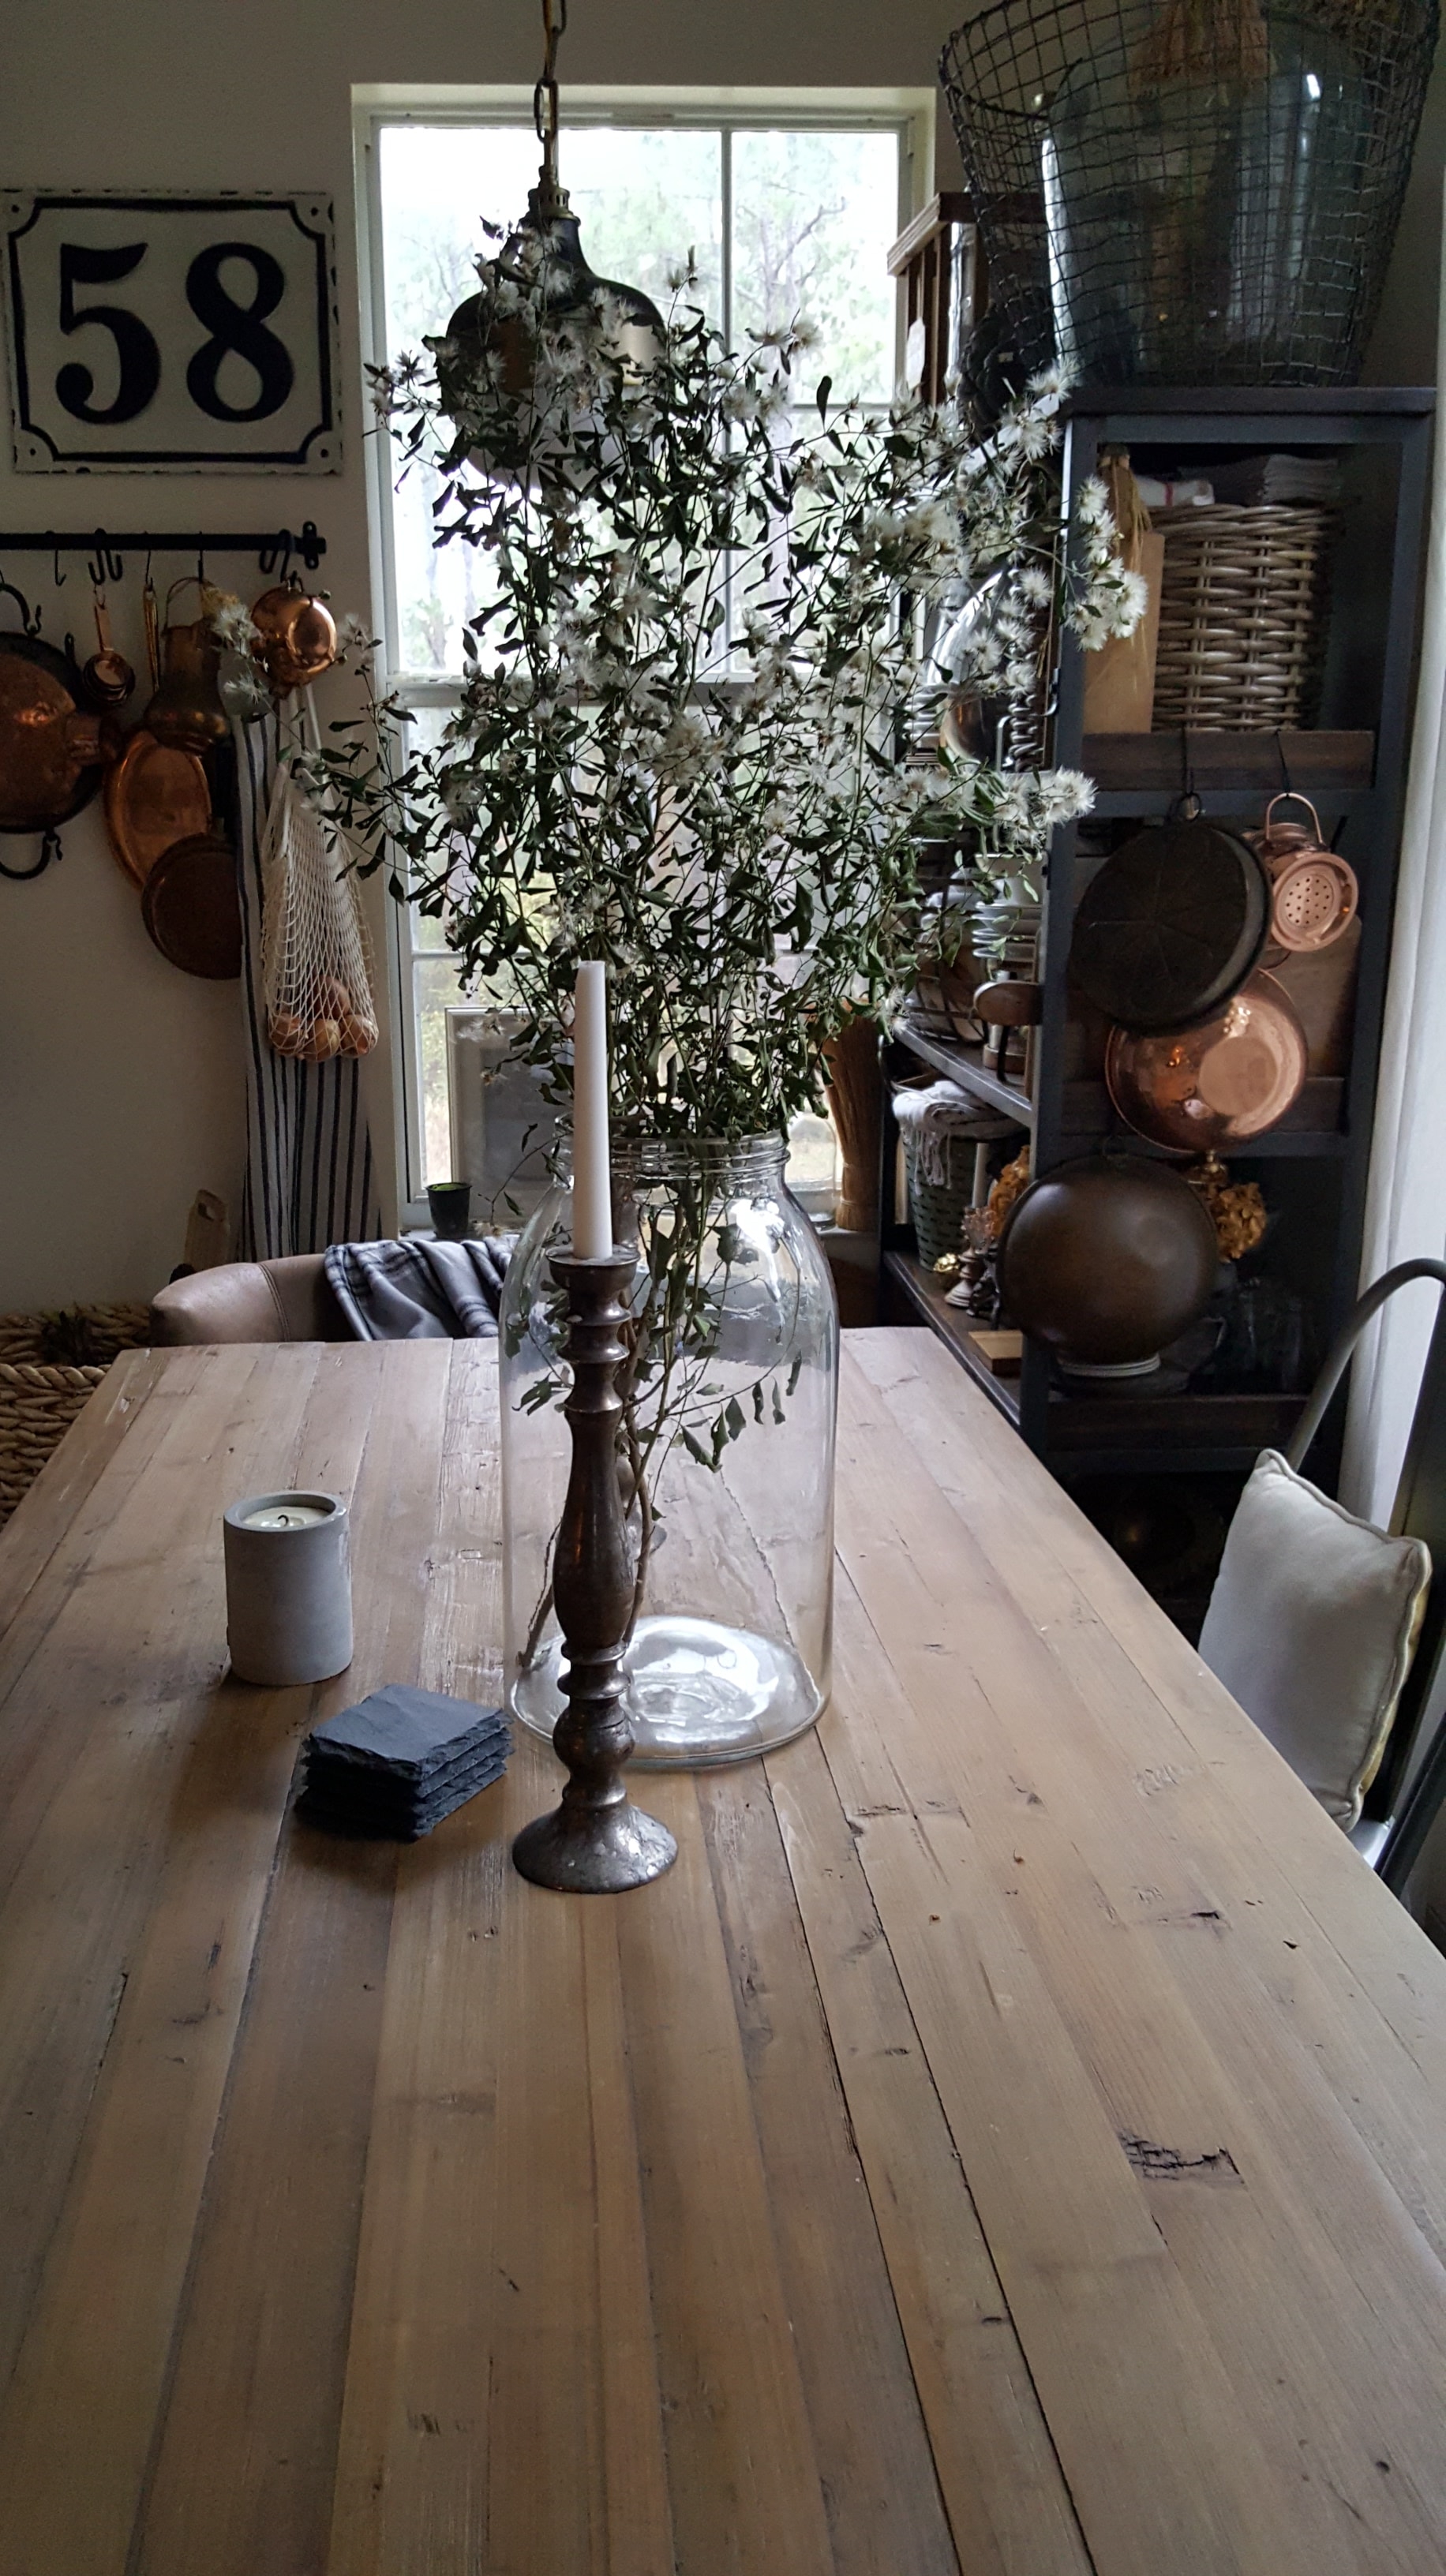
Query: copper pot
(298,635)
(1106,1260)
(186,712)
(1216,1084)
(108,676)
(1314,895)
(51,749)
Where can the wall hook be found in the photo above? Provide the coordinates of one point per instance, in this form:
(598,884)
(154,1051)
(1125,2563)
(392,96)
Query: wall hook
(49,849)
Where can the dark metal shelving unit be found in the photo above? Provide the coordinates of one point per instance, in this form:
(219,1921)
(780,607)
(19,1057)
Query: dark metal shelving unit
(1354,772)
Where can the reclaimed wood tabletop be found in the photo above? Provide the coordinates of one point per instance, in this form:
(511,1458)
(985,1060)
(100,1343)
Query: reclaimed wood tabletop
(1009,2143)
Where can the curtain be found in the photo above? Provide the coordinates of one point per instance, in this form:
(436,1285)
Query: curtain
(310,1179)
(1406,1197)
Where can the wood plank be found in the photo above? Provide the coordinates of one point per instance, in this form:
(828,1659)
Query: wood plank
(112,1712)
(1210,1779)
(1354,2284)
(77,2423)
(1158,2452)
(878,2477)
(44,1515)
(1008,2505)
(501,2307)
(1134,763)
(244,2466)
(742,2469)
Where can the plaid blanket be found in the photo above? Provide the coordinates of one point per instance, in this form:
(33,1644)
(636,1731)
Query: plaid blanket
(418,1290)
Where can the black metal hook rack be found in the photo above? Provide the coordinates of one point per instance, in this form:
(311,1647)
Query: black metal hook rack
(272,547)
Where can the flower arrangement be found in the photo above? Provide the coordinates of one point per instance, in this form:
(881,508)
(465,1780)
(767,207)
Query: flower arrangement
(679,747)
(677,741)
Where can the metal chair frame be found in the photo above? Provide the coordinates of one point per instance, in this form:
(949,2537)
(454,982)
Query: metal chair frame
(1419,1512)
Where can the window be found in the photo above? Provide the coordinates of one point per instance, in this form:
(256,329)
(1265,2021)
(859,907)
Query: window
(786,212)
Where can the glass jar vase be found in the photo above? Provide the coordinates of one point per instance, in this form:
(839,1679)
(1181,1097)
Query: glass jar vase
(725,1452)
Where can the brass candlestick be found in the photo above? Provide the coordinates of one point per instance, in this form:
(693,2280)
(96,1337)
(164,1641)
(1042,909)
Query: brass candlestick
(597,1841)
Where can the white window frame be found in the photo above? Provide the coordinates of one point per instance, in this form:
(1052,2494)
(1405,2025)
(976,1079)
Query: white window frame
(910,113)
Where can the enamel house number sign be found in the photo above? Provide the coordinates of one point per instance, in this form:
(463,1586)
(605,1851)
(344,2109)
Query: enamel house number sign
(171,334)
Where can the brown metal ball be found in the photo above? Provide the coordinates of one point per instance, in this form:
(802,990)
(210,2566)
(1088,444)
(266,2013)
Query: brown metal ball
(1107,1259)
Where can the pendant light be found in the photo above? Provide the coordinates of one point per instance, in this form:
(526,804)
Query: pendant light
(628,327)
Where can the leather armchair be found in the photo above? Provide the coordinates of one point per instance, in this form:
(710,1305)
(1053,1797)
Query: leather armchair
(251,1301)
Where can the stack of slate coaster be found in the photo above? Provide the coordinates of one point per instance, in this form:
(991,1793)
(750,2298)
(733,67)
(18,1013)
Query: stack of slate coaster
(397,1763)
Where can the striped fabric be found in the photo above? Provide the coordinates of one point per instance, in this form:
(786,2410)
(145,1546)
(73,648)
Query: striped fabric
(309,1174)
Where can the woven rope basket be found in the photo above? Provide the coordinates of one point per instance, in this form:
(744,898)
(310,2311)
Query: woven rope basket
(1243,610)
(40,1397)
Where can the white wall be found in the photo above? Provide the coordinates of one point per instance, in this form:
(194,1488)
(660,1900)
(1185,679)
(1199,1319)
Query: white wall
(120,1080)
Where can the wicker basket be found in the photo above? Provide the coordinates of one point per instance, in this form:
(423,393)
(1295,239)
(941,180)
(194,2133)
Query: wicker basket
(40,1396)
(1243,611)
(937,1207)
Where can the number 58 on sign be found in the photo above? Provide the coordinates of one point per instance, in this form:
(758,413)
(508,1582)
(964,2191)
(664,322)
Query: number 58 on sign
(171,334)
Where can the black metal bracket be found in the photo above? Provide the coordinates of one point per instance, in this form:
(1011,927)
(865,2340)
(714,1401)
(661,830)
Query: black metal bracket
(49,849)
(272,547)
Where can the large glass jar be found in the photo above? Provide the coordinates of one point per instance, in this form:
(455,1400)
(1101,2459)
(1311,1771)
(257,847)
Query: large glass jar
(725,1452)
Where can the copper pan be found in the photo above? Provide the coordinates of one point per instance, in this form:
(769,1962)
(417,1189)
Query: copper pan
(156,794)
(51,744)
(1217,1084)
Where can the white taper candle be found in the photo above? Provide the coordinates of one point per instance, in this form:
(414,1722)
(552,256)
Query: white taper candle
(592,1197)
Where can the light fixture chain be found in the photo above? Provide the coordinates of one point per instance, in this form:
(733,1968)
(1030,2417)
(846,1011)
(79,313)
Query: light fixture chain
(544,97)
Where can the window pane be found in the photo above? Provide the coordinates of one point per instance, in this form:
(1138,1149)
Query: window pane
(813,217)
(644,198)
(437,983)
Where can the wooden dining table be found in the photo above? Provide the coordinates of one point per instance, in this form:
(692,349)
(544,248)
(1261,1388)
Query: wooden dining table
(1010,2142)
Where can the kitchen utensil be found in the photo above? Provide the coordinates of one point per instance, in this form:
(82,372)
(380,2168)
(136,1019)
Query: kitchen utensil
(156,794)
(151,612)
(108,676)
(1171,925)
(51,747)
(298,635)
(186,710)
(1218,1083)
(1106,1260)
(1314,895)
(191,908)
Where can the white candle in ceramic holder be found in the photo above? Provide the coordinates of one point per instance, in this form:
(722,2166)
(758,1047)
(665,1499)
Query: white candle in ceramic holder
(288,1588)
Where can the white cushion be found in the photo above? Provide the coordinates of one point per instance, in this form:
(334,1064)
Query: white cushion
(1312,1625)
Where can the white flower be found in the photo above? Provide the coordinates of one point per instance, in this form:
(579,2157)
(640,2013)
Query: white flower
(234,628)
(1064,793)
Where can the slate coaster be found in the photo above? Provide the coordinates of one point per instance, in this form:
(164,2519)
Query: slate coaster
(346,1774)
(410,1732)
(371,1797)
(399,1761)
(399,1820)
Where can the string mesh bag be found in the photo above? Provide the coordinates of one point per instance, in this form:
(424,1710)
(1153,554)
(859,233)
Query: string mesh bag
(316,966)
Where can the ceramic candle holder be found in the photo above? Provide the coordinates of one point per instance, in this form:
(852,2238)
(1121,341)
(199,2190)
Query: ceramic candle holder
(288,1588)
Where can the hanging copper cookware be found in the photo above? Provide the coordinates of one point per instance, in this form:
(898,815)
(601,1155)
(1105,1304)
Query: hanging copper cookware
(1314,895)
(191,907)
(186,710)
(298,635)
(52,746)
(108,676)
(1171,925)
(155,794)
(1217,1084)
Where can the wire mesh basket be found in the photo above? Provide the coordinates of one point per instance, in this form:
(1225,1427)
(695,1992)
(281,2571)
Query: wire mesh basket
(1190,191)
(1244,605)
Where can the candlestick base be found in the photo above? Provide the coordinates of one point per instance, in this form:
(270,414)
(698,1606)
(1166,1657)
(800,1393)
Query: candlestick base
(596,1843)
(595,1855)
